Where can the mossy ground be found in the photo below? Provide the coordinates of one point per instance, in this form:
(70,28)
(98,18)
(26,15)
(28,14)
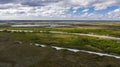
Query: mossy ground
(18,49)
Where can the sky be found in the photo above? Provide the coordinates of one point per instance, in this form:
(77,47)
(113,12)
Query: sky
(59,9)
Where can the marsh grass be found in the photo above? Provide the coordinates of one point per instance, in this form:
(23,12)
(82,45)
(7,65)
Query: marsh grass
(25,55)
(99,30)
(69,40)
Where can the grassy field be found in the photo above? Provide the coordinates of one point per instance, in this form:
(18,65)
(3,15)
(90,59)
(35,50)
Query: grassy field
(99,28)
(19,50)
(26,54)
(71,41)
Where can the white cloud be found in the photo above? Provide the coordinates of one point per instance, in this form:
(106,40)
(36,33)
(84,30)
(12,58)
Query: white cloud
(104,4)
(85,10)
(81,3)
(114,14)
(58,8)
(9,5)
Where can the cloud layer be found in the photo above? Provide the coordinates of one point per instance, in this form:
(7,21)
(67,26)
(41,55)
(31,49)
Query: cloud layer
(60,9)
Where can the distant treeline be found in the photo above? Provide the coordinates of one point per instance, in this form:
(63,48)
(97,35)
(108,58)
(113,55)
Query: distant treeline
(59,21)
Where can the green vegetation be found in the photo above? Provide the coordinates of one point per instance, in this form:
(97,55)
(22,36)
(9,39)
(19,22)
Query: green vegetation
(19,50)
(71,41)
(100,30)
(26,54)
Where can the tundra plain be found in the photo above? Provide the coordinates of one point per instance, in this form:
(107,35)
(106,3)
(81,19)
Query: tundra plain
(18,44)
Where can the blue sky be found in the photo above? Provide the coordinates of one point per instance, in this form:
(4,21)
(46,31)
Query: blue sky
(59,9)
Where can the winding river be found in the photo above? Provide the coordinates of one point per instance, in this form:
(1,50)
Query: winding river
(77,50)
